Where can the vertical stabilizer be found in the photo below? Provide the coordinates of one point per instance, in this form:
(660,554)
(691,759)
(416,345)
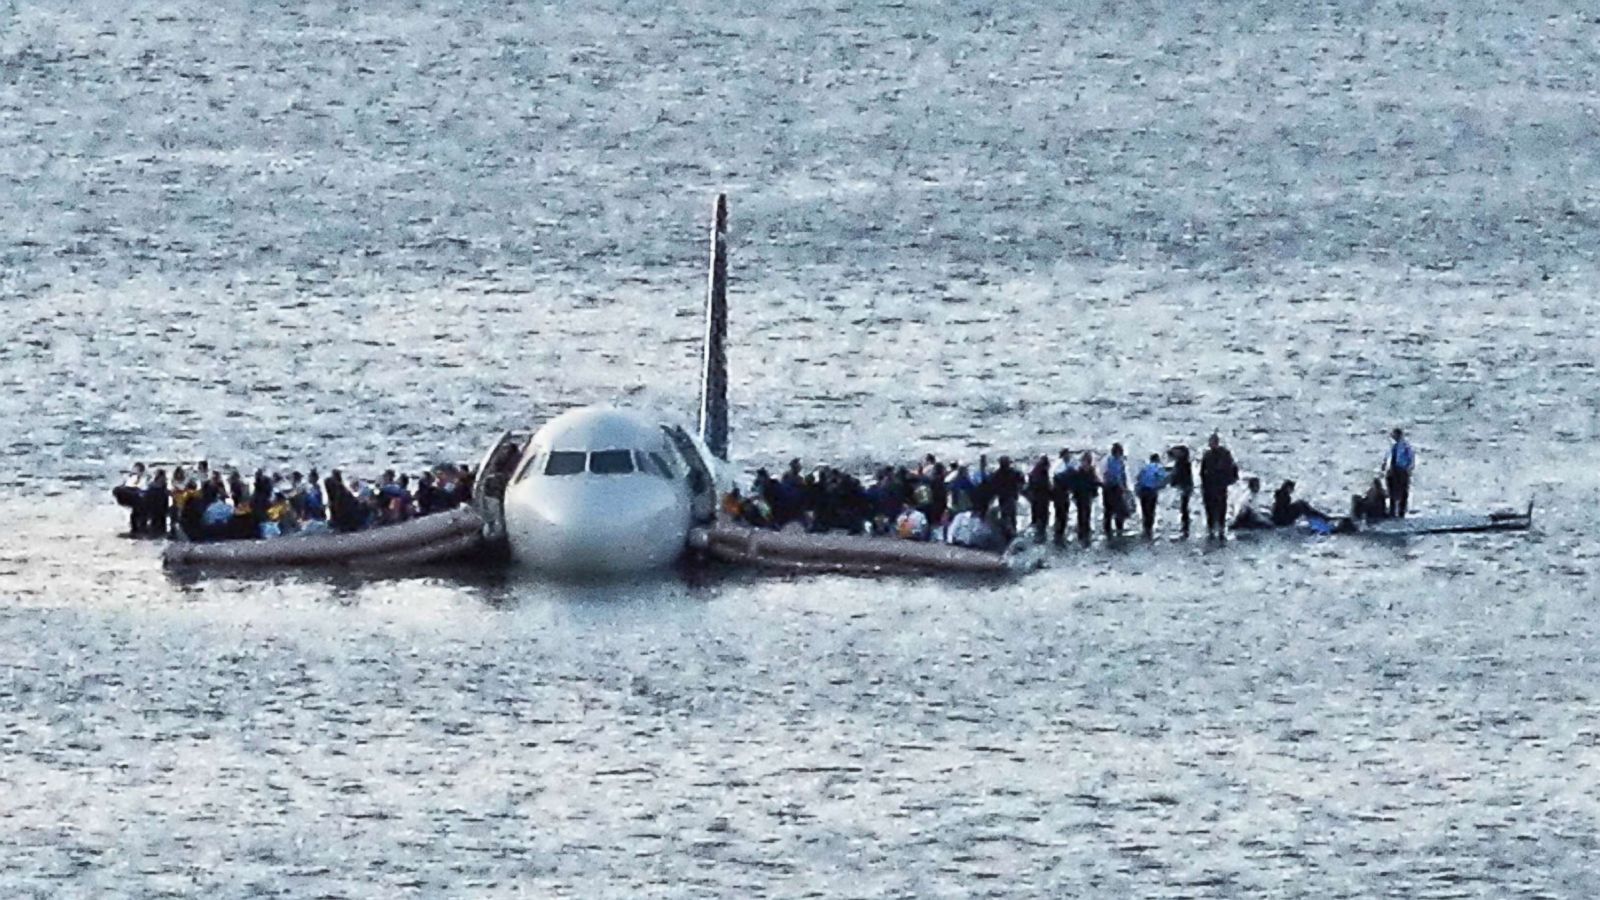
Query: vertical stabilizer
(714,376)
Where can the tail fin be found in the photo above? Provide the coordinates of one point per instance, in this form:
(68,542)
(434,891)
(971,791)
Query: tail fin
(714,375)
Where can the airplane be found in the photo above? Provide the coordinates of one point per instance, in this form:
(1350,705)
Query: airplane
(604,491)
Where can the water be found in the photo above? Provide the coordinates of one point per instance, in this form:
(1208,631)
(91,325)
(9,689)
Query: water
(318,233)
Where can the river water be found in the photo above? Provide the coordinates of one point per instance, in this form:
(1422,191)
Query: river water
(336,234)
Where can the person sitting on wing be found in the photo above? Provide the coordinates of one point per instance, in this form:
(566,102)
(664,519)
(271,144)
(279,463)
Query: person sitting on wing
(1250,515)
(1286,510)
(1371,506)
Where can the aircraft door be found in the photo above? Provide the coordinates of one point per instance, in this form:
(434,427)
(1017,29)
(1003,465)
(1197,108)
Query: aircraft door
(494,473)
(702,485)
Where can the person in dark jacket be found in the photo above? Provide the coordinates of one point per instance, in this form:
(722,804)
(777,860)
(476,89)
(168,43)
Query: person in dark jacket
(1006,484)
(1371,506)
(344,512)
(157,503)
(237,492)
(1181,479)
(427,497)
(938,496)
(1084,483)
(189,514)
(1218,472)
(261,497)
(1286,510)
(1039,497)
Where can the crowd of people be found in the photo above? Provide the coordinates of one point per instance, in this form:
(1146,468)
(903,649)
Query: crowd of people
(977,506)
(205,504)
(969,505)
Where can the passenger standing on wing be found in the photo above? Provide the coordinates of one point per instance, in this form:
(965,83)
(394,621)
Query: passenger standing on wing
(1039,497)
(938,496)
(1397,469)
(1114,490)
(1006,484)
(1084,484)
(1152,478)
(1181,478)
(1217,472)
(1061,494)
(959,488)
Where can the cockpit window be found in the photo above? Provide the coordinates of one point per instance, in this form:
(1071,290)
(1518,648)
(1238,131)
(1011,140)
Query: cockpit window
(564,462)
(522,470)
(611,462)
(652,464)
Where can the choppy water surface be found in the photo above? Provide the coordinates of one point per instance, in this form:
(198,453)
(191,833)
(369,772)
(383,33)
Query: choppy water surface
(322,233)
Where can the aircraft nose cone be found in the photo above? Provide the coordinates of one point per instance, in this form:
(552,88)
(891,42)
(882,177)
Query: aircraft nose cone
(598,528)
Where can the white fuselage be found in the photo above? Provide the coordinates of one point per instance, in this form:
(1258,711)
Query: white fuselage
(600,491)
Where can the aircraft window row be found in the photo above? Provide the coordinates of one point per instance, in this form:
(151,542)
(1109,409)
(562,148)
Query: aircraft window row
(605,462)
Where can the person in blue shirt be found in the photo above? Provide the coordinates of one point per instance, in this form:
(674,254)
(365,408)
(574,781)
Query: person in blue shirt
(1152,478)
(981,473)
(1397,468)
(1114,490)
(216,515)
(958,488)
(315,508)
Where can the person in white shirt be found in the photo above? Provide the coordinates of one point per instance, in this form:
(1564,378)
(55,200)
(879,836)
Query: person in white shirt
(1250,514)
(970,529)
(137,477)
(130,493)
